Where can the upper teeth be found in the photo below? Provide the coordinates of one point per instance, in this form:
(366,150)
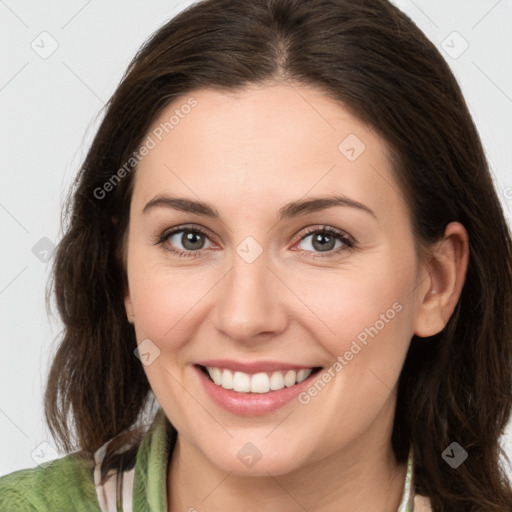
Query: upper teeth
(258,382)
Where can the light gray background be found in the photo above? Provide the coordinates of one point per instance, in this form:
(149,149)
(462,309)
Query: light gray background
(50,108)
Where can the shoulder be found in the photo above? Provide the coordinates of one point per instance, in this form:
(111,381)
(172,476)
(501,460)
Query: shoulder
(60,485)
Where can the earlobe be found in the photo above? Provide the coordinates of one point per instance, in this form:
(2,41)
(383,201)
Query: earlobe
(446,276)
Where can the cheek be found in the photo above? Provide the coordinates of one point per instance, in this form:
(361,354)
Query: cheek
(365,325)
(345,306)
(364,320)
(163,304)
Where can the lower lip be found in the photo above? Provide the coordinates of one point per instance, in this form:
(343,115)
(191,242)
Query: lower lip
(251,404)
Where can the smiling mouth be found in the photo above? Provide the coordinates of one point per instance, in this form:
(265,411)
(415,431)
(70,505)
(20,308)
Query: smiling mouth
(263,382)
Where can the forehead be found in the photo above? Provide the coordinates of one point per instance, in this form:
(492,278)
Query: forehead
(264,145)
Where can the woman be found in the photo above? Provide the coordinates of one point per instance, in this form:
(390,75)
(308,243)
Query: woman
(286,233)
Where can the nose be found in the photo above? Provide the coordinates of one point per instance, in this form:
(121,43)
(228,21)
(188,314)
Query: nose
(252,301)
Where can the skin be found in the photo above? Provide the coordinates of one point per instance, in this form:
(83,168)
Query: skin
(248,154)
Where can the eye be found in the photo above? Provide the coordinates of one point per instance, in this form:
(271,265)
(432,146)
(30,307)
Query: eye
(190,238)
(324,240)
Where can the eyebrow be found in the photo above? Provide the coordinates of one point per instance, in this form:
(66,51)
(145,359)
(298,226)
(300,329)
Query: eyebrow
(289,210)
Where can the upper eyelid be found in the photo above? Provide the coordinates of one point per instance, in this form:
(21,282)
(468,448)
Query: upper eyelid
(330,229)
(178,229)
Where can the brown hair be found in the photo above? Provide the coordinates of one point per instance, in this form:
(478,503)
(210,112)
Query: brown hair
(454,386)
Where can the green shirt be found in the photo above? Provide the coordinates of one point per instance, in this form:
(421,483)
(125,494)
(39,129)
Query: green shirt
(69,483)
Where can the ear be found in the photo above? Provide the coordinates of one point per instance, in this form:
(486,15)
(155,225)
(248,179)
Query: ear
(128,306)
(446,274)
(122,258)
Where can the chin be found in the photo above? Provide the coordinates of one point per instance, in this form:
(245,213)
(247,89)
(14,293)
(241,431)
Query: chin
(248,460)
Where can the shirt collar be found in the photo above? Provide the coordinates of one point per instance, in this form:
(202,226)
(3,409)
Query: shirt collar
(150,482)
(407,502)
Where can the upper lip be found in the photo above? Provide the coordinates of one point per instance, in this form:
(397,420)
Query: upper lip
(253,367)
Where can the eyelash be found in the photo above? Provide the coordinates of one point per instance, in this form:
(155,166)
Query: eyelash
(340,235)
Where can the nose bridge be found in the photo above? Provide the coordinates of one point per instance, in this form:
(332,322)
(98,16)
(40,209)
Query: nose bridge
(249,303)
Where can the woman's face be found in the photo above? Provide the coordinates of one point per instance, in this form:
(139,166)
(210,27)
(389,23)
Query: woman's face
(264,283)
